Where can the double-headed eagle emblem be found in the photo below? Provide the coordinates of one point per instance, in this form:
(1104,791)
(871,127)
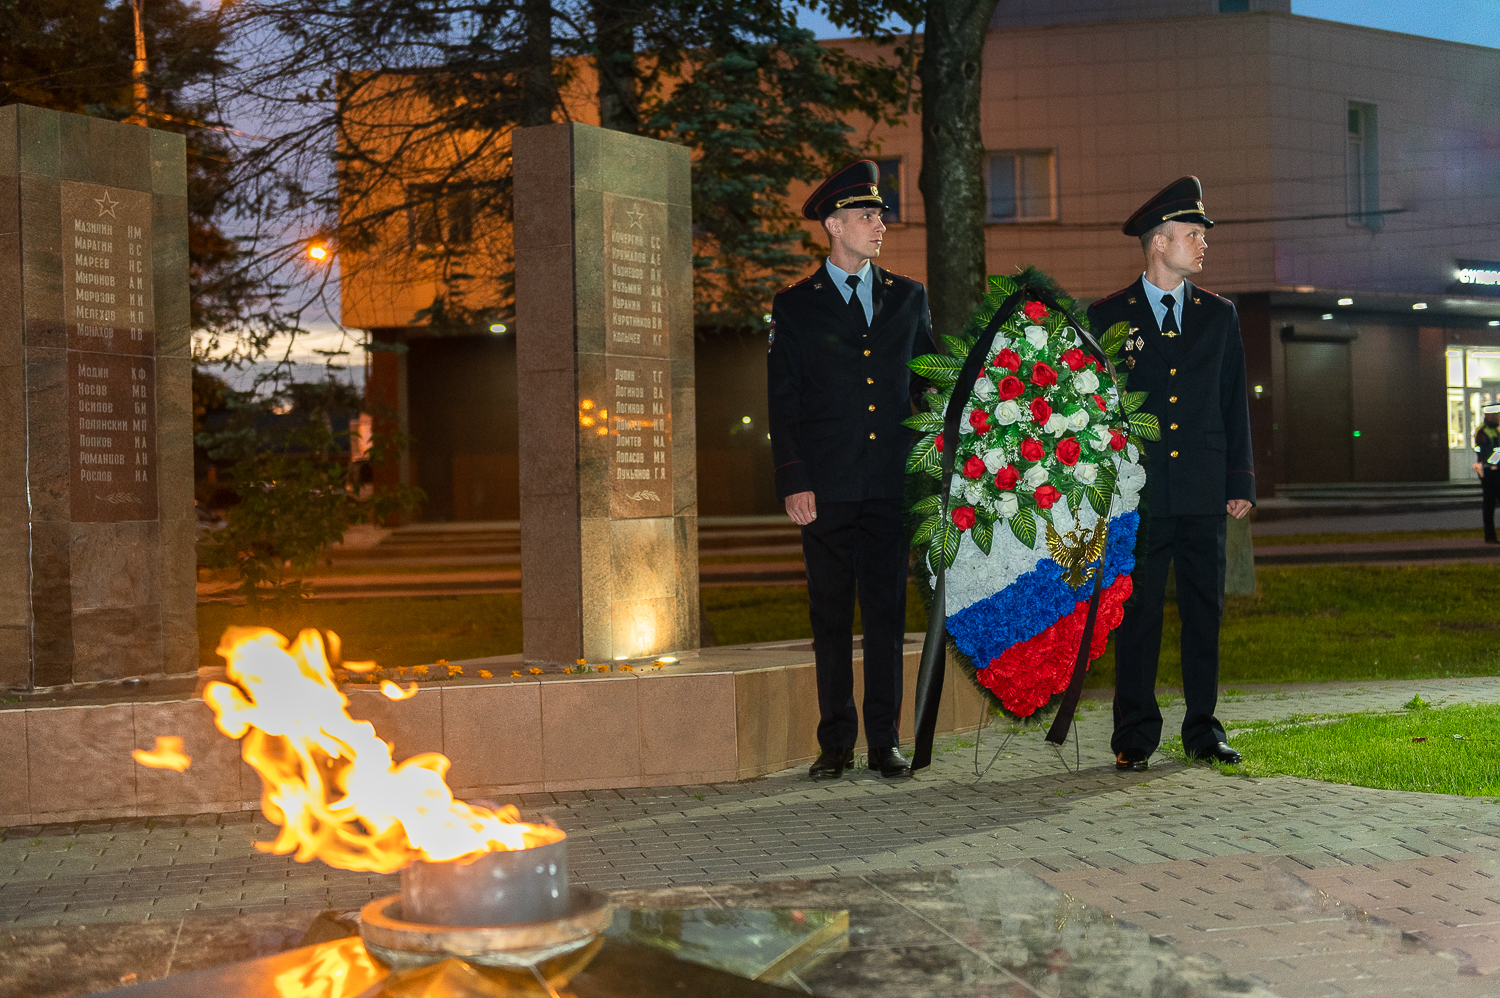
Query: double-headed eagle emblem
(1078,550)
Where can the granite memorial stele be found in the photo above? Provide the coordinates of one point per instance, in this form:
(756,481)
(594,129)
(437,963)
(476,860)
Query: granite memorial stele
(97,525)
(604,353)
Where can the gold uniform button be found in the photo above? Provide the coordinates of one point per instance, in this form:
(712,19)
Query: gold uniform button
(1172,398)
(867,353)
(1174,370)
(872,408)
(1174,453)
(1174,425)
(872,436)
(871,381)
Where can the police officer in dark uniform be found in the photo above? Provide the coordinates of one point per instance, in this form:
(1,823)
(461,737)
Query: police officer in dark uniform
(1184,349)
(839,388)
(1487,466)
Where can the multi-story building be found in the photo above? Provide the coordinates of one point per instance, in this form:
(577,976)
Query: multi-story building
(1354,175)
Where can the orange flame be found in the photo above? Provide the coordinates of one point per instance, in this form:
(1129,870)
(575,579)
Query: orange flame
(168,754)
(329,781)
(395,692)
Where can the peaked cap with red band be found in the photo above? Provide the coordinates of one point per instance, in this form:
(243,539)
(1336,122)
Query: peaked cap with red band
(1179,201)
(855,186)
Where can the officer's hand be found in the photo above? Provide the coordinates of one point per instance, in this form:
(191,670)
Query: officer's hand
(1238,508)
(802,508)
(1478,469)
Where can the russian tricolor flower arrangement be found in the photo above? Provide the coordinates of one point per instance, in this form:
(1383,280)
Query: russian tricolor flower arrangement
(1046,478)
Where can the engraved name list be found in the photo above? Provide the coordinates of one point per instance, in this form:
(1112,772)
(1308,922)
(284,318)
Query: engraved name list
(111,352)
(637,352)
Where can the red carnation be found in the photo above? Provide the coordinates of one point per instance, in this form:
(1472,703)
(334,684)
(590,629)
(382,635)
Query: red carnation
(1043,376)
(938,443)
(1032,450)
(1099,401)
(980,420)
(1046,496)
(1117,440)
(1035,311)
(1068,451)
(1008,359)
(974,467)
(1010,387)
(1007,477)
(1040,410)
(1075,359)
(963,517)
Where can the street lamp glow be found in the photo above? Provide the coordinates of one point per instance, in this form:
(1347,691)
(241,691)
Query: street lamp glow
(317,252)
(1346,301)
(1419,306)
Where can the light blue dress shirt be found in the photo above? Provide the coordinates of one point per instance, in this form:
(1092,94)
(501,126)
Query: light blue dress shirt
(1153,295)
(866,287)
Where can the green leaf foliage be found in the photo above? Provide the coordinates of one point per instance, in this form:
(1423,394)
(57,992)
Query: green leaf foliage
(939,368)
(1133,401)
(928,527)
(1001,285)
(983,534)
(924,457)
(959,346)
(924,422)
(927,505)
(951,536)
(1023,526)
(1145,426)
(1114,338)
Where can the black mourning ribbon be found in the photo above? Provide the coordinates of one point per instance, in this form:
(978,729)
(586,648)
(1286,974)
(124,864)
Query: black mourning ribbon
(930,673)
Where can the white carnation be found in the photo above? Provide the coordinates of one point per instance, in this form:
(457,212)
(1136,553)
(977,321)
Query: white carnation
(1037,337)
(1007,504)
(1035,475)
(1086,473)
(1007,412)
(1085,381)
(1056,424)
(1078,420)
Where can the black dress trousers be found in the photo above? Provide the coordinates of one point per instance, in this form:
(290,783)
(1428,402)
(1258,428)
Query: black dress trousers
(857,548)
(1196,545)
(1490,484)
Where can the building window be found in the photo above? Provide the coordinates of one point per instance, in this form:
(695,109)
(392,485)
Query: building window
(438,217)
(890,187)
(1362,167)
(1022,186)
(1234,6)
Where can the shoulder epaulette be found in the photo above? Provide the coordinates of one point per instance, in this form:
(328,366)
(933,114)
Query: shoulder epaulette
(1212,295)
(1117,294)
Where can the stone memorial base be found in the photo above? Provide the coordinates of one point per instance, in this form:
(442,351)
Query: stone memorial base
(719,715)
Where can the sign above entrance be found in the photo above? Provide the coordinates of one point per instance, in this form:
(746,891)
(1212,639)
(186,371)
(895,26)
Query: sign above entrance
(1476,277)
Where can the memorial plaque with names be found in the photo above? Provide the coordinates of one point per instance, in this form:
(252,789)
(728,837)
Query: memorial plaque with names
(638,373)
(111,346)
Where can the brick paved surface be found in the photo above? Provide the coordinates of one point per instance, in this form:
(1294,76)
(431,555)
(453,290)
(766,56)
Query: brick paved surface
(1303,887)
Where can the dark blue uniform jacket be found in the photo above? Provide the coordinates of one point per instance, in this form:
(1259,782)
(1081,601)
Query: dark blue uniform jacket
(1196,389)
(839,391)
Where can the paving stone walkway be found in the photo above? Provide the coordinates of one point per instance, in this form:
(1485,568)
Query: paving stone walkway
(1303,888)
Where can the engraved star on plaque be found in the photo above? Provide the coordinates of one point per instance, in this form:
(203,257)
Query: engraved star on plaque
(636,215)
(106,205)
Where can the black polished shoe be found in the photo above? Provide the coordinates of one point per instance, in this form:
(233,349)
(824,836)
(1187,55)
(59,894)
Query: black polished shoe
(831,763)
(1132,761)
(890,763)
(1221,752)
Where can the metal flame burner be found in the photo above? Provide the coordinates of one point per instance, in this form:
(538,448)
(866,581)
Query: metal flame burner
(512,910)
(520,885)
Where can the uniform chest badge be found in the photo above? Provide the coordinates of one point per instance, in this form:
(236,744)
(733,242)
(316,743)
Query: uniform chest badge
(1130,363)
(771,338)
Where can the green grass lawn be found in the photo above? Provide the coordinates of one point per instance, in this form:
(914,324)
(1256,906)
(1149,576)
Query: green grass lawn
(1309,624)
(1328,623)
(1383,537)
(1451,750)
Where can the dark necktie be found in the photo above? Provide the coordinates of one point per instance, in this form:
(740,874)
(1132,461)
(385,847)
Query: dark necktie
(1169,321)
(854,303)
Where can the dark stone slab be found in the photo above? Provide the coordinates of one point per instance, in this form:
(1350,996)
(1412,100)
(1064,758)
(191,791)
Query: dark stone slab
(93,266)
